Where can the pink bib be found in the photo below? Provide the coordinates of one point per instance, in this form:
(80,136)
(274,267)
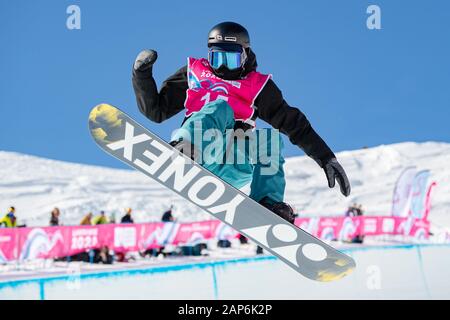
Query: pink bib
(205,87)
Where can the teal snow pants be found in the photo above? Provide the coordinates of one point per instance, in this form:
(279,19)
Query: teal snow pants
(257,159)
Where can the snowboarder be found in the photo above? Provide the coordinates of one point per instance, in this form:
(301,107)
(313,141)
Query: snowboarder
(226,92)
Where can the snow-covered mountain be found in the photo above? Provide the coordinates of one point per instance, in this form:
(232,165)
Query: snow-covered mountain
(36,185)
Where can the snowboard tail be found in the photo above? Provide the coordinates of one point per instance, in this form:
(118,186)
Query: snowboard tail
(125,139)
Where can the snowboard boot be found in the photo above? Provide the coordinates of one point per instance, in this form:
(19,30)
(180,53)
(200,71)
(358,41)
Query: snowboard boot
(186,148)
(281,209)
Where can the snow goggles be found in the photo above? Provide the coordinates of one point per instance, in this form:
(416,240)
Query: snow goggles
(230,59)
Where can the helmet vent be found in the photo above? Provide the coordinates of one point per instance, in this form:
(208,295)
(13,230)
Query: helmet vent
(231,39)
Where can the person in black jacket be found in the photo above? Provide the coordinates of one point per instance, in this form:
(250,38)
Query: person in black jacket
(226,92)
(168,216)
(54,217)
(127,218)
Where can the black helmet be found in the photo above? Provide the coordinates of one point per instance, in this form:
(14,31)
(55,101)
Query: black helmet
(229,32)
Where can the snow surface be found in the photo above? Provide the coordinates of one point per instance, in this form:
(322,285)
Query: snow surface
(35,185)
(382,272)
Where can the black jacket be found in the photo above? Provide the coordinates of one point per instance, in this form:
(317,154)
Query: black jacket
(167,216)
(270,107)
(127,219)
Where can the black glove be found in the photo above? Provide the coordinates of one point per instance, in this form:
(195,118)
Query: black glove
(333,170)
(145,60)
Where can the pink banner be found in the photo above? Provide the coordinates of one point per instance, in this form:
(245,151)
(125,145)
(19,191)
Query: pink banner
(56,242)
(331,228)
(9,245)
(347,228)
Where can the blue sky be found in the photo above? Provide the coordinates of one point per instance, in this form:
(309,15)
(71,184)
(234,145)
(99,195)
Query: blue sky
(358,87)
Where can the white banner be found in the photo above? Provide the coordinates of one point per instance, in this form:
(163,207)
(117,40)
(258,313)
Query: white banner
(402,193)
(419,193)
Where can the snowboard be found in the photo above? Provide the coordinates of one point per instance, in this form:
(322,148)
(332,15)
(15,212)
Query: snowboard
(125,139)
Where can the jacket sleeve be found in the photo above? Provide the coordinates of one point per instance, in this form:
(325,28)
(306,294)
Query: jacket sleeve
(165,104)
(272,108)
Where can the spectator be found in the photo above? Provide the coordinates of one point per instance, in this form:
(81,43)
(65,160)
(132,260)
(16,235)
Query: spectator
(9,220)
(359,210)
(259,250)
(167,216)
(224,243)
(87,220)
(103,255)
(243,239)
(355,210)
(127,217)
(352,211)
(100,219)
(54,218)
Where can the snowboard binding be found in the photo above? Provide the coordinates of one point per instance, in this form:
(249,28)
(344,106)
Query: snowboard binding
(281,209)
